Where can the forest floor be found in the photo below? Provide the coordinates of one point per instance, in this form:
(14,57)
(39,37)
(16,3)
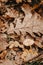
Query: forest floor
(21,32)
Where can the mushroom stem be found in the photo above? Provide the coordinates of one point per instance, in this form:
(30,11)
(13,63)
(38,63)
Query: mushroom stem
(30,47)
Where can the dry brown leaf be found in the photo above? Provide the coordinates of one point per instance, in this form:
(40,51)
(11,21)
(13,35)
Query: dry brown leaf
(3,0)
(7,61)
(11,13)
(10,29)
(18,1)
(3,42)
(39,44)
(29,23)
(28,55)
(13,44)
(3,54)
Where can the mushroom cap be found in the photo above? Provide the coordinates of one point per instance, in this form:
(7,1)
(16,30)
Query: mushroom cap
(28,42)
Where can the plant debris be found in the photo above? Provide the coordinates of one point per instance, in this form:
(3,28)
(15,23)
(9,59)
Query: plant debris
(21,32)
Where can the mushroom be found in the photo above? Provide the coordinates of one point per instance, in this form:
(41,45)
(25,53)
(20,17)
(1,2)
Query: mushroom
(28,42)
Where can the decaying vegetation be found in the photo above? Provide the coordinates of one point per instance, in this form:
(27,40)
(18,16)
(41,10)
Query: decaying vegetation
(21,32)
